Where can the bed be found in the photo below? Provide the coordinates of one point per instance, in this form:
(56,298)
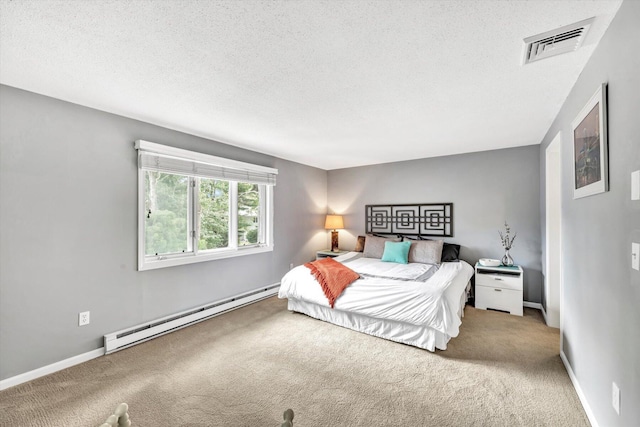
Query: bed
(418,303)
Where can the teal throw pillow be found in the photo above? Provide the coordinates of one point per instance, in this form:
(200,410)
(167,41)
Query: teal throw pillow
(396,252)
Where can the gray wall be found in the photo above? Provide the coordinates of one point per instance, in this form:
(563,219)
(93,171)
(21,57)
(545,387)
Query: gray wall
(486,189)
(601,293)
(68,226)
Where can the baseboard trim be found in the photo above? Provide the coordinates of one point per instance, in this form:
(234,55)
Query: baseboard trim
(576,386)
(50,369)
(535,305)
(544,314)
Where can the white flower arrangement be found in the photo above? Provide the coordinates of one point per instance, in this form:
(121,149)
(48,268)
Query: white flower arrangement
(507,240)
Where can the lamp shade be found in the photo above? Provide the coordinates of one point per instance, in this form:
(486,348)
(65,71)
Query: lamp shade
(333,222)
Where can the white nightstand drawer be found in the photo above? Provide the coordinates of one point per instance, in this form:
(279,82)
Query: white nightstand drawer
(499,281)
(499,298)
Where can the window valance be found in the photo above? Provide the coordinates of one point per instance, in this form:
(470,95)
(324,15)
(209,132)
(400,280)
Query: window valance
(162,158)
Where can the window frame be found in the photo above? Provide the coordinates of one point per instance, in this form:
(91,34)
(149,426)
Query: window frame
(146,262)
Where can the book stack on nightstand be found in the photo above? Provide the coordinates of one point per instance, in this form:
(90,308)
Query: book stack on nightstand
(328,254)
(499,288)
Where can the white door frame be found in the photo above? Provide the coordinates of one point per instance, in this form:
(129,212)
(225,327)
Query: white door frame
(553,228)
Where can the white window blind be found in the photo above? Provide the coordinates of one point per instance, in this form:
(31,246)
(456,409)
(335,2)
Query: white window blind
(161,158)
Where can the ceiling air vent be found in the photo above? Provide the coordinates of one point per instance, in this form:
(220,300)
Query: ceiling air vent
(555,42)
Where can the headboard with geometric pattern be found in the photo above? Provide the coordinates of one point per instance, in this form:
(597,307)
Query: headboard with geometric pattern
(419,219)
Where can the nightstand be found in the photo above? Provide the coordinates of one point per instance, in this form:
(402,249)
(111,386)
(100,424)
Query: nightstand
(499,288)
(328,254)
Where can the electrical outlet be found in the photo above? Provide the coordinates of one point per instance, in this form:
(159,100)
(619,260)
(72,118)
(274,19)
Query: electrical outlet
(291,266)
(635,256)
(615,397)
(84,318)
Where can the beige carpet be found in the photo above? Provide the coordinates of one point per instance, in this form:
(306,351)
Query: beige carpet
(246,367)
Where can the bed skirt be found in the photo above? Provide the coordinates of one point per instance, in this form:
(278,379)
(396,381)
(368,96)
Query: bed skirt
(405,333)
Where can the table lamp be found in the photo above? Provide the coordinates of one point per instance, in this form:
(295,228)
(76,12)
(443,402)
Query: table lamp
(333,222)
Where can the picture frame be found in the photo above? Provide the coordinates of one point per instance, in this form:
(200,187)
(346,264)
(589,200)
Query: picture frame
(590,147)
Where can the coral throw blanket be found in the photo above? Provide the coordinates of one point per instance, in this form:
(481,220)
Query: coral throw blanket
(333,276)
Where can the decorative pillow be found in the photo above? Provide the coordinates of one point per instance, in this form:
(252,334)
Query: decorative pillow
(360,244)
(426,251)
(396,252)
(374,246)
(450,252)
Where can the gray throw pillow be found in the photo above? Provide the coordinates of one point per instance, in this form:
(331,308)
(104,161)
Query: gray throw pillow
(425,251)
(374,246)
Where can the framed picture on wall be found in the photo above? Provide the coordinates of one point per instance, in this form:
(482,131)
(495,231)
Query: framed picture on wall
(590,163)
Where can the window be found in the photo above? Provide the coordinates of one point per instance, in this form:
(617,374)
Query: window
(194,207)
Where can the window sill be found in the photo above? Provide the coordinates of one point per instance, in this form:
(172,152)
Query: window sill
(154,263)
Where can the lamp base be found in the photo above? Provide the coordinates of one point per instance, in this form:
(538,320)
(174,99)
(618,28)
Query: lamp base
(334,241)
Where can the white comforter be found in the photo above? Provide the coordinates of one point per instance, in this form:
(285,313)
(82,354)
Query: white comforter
(434,303)
(373,267)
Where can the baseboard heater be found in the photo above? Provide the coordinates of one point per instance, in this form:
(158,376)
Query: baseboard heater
(147,331)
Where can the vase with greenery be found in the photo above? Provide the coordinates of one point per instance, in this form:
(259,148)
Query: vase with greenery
(507,243)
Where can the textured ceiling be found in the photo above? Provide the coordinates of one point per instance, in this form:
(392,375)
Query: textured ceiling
(330,84)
